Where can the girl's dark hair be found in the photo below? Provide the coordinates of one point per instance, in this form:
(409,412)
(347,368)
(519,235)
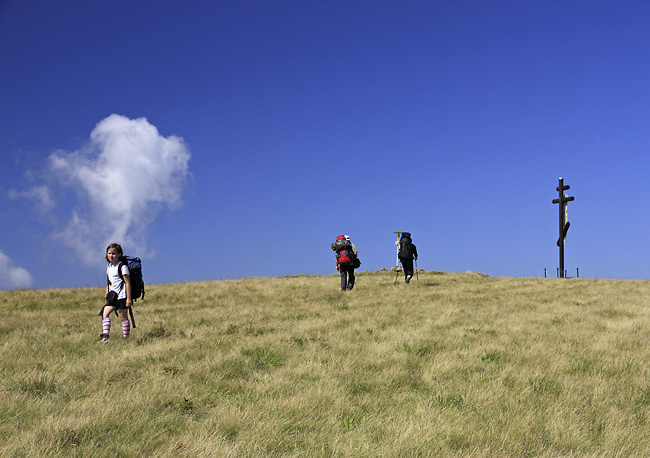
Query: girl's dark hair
(117,247)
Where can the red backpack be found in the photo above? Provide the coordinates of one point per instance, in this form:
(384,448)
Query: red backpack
(344,253)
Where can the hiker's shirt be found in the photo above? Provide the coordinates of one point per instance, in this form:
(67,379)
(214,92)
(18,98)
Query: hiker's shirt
(116,283)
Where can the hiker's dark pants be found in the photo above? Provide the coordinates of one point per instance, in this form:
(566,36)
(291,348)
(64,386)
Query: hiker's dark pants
(347,277)
(407,264)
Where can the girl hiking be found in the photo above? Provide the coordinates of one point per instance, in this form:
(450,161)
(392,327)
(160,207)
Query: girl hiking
(118,292)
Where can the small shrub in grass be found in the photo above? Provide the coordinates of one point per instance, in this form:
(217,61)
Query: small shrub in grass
(586,366)
(458,441)
(454,400)
(546,386)
(263,358)
(158,332)
(38,385)
(419,349)
(351,420)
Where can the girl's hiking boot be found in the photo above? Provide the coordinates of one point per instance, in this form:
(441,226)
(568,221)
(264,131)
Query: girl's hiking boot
(103,338)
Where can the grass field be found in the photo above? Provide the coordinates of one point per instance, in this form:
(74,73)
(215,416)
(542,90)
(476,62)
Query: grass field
(452,365)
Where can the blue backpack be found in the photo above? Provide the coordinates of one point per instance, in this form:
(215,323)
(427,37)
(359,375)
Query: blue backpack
(135,275)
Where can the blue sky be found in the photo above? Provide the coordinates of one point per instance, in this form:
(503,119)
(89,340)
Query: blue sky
(232,139)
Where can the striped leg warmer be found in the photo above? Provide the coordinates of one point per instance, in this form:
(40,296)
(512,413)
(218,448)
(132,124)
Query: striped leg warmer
(106,326)
(126,328)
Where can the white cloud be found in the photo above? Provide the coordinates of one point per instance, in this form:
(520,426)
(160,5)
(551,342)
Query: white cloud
(40,195)
(116,186)
(13,276)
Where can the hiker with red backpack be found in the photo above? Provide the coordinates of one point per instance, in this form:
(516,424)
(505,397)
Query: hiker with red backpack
(346,261)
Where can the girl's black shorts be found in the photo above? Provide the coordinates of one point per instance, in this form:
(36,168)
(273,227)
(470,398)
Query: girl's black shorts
(120,304)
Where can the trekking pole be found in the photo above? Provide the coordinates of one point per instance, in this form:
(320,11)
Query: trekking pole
(396,275)
(417,278)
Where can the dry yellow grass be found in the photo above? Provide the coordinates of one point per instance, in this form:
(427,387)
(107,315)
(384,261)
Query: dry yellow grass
(451,365)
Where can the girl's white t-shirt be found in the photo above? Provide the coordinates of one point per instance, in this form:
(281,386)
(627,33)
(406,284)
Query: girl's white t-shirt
(116,283)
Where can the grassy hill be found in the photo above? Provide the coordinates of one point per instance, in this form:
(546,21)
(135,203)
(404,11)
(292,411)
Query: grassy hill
(451,365)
